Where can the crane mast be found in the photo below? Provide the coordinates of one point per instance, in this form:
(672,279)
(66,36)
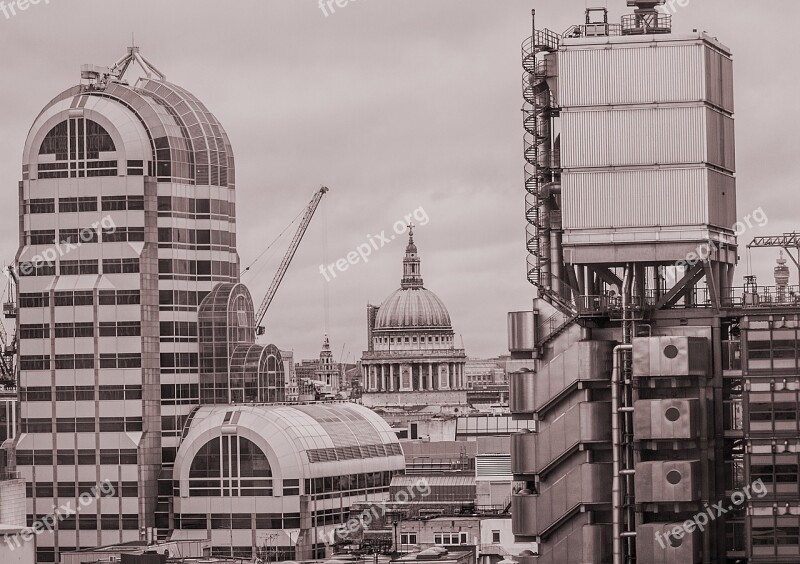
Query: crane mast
(287,259)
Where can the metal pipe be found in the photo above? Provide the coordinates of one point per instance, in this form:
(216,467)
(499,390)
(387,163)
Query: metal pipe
(616,441)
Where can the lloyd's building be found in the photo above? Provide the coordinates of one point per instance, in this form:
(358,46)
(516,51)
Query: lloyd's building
(138,362)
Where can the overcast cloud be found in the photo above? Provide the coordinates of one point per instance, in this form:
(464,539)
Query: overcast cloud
(393,105)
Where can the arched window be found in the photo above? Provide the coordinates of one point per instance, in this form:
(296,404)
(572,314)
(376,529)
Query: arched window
(230,466)
(79,142)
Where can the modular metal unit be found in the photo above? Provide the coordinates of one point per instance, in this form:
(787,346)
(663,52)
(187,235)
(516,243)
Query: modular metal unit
(583,423)
(668,481)
(585,360)
(671,356)
(522,331)
(647,146)
(666,419)
(533,515)
(668,543)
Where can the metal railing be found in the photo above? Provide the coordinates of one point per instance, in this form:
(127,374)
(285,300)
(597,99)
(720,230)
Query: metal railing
(653,22)
(599,29)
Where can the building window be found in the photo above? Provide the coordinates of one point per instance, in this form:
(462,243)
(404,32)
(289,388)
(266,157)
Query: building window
(121,266)
(230,466)
(34,362)
(35,299)
(41,237)
(121,360)
(495,537)
(40,205)
(116,234)
(72,267)
(120,329)
(450,538)
(119,297)
(41,268)
(77,144)
(408,538)
(83,203)
(122,203)
(78,236)
(34,331)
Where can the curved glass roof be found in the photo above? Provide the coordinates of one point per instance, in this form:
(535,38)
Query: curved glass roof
(300,436)
(188,143)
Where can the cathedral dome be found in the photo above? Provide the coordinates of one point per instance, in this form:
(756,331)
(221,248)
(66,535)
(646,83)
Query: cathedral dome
(412,306)
(415,308)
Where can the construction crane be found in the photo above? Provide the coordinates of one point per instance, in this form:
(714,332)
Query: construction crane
(8,354)
(287,259)
(786,241)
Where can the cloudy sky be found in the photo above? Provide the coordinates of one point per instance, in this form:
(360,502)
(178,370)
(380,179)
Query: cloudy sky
(396,106)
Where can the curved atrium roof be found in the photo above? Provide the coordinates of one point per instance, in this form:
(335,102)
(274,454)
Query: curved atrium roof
(412,306)
(300,441)
(186,141)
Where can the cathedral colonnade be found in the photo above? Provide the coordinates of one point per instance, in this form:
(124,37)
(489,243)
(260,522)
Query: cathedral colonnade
(414,376)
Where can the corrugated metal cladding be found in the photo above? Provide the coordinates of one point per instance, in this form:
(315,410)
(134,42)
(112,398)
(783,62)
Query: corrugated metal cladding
(721,140)
(644,73)
(647,136)
(640,74)
(635,198)
(719,82)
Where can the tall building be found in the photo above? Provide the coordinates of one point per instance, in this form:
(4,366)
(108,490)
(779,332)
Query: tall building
(320,376)
(659,388)
(127,222)
(328,371)
(411,343)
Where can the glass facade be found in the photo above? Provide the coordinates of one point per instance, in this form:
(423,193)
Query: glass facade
(233,369)
(770,424)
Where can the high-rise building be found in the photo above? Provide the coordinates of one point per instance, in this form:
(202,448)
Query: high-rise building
(658,387)
(127,222)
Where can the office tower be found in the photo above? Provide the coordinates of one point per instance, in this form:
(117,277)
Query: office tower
(127,222)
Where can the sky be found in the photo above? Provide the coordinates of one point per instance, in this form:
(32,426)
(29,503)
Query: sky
(398,106)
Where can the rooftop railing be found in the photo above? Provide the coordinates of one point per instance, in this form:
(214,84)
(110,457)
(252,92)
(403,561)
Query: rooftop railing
(752,297)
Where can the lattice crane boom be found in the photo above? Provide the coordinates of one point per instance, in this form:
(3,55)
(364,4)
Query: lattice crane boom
(787,241)
(287,259)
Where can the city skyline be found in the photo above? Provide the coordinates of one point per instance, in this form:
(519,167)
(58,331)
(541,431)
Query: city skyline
(396,87)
